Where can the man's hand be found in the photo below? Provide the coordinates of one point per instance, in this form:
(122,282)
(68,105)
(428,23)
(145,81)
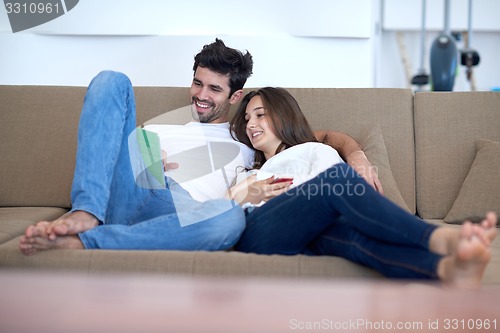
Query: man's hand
(167,166)
(351,152)
(358,161)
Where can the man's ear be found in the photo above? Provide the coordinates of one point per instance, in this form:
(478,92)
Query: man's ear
(236,96)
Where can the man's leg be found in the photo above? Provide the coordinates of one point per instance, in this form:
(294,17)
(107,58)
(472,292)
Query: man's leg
(103,168)
(102,162)
(164,232)
(218,226)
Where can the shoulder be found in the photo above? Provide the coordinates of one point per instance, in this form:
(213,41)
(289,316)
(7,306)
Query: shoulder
(316,152)
(311,147)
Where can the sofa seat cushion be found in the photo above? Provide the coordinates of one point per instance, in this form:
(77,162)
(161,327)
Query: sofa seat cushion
(188,263)
(15,220)
(480,191)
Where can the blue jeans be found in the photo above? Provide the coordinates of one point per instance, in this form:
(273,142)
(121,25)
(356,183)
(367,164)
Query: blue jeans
(338,213)
(131,216)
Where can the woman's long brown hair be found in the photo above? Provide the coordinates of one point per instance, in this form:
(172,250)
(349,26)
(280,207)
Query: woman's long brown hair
(286,118)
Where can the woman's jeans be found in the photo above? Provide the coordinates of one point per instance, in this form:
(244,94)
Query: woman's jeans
(131,216)
(338,213)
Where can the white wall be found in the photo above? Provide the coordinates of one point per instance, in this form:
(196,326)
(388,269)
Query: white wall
(295,43)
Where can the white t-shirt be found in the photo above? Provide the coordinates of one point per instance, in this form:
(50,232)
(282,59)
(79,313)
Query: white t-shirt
(209,158)
(301,162)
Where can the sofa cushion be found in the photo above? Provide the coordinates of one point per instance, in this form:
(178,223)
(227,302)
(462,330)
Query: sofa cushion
(352,110)
(447,125)
(38,144)
(38,138)
(480,191)
(14,220)
(188,263)
(373,145)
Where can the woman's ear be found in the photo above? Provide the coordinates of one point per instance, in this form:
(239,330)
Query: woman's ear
(236,96)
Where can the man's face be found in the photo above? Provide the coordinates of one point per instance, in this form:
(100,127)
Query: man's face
(210,100)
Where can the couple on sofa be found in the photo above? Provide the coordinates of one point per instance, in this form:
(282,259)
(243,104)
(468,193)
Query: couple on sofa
(295,195)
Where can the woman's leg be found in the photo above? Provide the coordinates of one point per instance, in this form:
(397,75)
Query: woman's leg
(289,222)
(395,261)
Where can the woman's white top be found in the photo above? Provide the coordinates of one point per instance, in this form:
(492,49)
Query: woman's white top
(301,162)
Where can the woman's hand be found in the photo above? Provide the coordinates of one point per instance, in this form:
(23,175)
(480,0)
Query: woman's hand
(255,191)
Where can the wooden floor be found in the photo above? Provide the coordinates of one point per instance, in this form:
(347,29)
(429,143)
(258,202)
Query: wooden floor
(59,302)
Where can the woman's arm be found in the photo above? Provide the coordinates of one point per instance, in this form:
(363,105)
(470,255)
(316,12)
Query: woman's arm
(255,191)
(352,153)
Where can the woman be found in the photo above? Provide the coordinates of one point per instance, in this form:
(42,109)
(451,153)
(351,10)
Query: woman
(324,208)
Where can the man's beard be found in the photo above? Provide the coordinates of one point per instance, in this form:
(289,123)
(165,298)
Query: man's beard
(206,117)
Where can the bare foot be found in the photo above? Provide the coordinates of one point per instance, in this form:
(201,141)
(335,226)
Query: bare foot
(38,244)
(444,241)
(71,224)
(51,235)
(33,231)
(466,266)
(489,224)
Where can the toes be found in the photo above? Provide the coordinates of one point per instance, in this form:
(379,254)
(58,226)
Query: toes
(29,231)
(466,230)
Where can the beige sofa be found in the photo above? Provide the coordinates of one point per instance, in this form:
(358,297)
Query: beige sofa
(423,144)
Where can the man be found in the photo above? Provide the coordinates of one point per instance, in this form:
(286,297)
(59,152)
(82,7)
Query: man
(109,210)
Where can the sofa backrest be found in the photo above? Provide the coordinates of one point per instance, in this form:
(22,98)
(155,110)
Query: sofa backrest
(354,111)
(447,124)
(37,143)
(38,139)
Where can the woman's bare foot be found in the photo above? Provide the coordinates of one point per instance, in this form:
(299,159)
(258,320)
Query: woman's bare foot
(71,224)
(444,241)
(489,224)
(466,266)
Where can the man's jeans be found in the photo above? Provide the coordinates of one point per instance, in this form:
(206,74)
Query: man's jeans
(133,217)
(338,213)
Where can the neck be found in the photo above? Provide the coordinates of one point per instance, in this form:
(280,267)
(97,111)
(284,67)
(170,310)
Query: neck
(273,151)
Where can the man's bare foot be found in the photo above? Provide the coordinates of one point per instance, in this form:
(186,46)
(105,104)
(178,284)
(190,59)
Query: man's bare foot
(71,224)
(33,245)
(45,235)
(33,231)
(466,266)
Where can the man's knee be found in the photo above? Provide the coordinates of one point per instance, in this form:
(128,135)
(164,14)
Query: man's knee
(109,79)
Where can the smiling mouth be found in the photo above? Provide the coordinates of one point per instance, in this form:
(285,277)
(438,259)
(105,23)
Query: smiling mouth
(202,105)
(256,134)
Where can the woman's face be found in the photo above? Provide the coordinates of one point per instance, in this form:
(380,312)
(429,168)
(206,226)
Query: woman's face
(260,129)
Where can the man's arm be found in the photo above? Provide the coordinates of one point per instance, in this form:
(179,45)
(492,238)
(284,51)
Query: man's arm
(352,153)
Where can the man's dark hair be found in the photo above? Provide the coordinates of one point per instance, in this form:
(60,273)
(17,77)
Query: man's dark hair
(223,60)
